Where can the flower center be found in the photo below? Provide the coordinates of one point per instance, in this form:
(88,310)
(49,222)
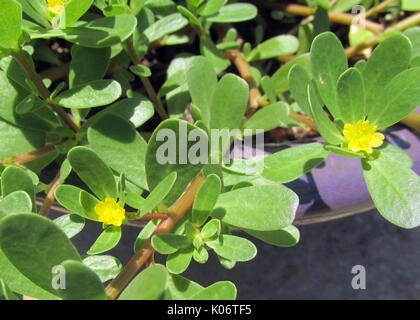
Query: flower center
(55,6)
(110,212)
(362,136)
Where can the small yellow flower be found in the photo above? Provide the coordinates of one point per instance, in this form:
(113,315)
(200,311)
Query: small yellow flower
(110,212)
(362,136)
(55,6)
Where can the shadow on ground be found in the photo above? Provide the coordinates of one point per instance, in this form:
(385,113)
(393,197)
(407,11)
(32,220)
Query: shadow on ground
(319,267)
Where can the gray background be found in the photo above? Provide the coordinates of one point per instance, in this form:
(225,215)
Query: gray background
(318,267)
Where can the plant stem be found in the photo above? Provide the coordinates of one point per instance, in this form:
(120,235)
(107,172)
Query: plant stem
(412,121)
(148,216)
(56,73)
(50,198)
(176,211)
(341,18)
(403,25)
(380,7)
(146,82)
(31,156)
(255,97)
(245,71)
(43,91)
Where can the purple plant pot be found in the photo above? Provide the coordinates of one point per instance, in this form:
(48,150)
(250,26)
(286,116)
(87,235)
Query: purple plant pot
(337,187)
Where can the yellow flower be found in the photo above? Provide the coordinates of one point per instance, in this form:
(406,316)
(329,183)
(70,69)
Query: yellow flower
(55,6)
(110,212)
(362,136)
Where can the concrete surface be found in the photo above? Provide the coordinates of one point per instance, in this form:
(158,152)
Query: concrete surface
(319,267)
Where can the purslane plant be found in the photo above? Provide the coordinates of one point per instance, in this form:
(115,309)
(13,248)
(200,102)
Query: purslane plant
(110,173)
(375,94)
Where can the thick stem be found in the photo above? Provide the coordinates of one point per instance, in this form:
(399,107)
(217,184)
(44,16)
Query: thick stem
(176,211)
(412,121)
(50,198)
(43,91)
(245,71)
(146,82)
(31,156)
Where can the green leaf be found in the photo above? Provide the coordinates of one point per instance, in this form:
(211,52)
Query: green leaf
(263,208)
(345,152)
(180,288)
(345,5)
(18,282)
(166,154)
(14,203)
(71,224)
(390,57)
(324,4)
(270,117)
(116,141)
(108,239)
(158,194)
(351,96)
(93,171)
(164,26)
(209,50)
(93,94)
(321,21)
(285,237)
(150,284)
(16,179)
(201,88)
(211,7)
(280,77)
(358,35)
(299,81)
(397,154)
(282,45)
(325,126)
(75,9)
(179,261)
(229,103)
(11,23)
(268,86)
(222,290)
(200,255)
(292,163)
(206,199)
(69,197)
(6,293)
(236,12)
(88,64)
(26,240)
(400,98)
(141,70)
(211,229)
(193,20)
(233,248)
(145,234)
(395,190)
(106,267)
(410,5)
(82,283)
(414,35)
(327,66)
(169,243)
(98,33)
